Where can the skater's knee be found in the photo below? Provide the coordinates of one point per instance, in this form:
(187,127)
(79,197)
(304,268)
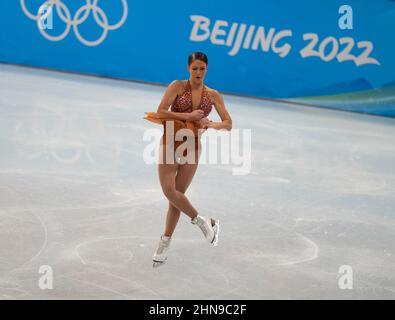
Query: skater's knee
(170,193)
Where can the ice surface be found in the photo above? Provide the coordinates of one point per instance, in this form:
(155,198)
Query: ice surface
(75,194)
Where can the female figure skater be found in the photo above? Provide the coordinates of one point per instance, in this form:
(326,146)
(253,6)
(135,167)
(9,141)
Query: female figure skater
(191,102)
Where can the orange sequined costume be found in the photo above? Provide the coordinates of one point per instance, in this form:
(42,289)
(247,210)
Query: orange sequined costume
(183,103)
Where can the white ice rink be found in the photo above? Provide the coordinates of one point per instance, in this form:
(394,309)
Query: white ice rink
(75,194)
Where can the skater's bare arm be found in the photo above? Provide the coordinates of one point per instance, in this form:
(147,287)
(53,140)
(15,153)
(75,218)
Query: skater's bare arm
(168,99)
(219,104)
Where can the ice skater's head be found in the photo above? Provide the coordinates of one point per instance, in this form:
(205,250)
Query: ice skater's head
(197,67)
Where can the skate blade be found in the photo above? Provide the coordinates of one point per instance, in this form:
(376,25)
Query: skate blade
(214,243)
(157,264)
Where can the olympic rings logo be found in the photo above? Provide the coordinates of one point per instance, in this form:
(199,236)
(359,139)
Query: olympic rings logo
(80,17)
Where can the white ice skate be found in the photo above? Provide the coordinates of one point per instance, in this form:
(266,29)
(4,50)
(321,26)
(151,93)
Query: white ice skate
(160,256)
(209,230)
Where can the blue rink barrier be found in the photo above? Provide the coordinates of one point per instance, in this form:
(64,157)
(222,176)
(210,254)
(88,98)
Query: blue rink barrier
(320,53)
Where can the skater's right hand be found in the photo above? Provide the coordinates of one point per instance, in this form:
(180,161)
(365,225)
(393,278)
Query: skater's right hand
(196,115)
(204,123)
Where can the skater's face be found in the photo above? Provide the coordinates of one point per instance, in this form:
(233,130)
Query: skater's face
(197,70)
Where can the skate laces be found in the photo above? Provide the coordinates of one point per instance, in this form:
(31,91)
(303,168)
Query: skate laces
(202,224)
(163,244)
(204,229)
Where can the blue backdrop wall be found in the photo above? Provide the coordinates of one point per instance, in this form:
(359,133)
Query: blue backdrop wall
(284,49)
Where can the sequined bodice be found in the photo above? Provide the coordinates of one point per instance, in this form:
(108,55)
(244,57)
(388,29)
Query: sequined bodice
(183,102)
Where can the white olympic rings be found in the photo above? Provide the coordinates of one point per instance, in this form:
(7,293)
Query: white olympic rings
(80,17)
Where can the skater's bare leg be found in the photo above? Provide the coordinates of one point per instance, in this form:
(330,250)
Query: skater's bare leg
(183,178)
(167,179)
(167,173)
